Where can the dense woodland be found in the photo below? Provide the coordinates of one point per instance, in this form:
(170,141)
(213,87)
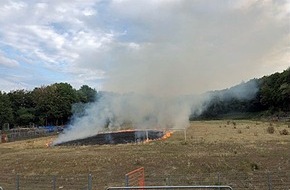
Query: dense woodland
(268,96)
(55,104)
(47,105)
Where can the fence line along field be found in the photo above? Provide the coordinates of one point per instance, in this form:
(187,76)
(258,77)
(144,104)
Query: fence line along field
(238,153)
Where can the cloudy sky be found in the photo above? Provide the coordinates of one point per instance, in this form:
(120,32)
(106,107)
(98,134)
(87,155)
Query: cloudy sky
(159,46)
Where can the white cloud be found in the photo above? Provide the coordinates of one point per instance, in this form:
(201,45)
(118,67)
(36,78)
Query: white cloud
(12,6)
(195,46)
(143,45)
(4,61)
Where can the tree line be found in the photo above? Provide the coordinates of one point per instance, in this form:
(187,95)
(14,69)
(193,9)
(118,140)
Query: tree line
(55,104)
(46,105)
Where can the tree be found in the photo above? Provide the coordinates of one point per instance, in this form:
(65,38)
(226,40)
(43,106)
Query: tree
(23,107)
(66,96)
(86,94)
(25,116)
(275,91)
(273,96)
(42,98)
(6,113)
(54,103)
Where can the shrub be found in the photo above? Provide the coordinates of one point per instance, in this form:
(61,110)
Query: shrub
(271,130)
(284,132)
(254,166)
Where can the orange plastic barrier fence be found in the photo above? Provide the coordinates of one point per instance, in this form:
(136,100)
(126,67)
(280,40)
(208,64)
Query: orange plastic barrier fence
(135,178)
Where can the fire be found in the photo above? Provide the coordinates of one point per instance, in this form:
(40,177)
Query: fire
(49,143)
(167,134)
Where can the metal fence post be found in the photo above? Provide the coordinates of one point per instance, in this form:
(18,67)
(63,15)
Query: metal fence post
(90,182)
(54,182)
(219,181)
(269,181)
(167,183)
(17,182)
(126,181)
(185,139)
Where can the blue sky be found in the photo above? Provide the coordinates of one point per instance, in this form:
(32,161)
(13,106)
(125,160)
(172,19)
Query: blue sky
(159,46)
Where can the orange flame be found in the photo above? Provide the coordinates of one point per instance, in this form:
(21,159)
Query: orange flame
(49,143)
(167,135)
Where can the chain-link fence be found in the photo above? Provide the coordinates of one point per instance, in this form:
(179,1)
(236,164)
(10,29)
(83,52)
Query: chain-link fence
(17,135)
(43,182)
(270,180)
(199,187)
(279,180)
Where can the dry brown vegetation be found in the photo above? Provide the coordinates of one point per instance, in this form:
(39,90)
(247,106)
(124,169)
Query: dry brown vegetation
(211,146)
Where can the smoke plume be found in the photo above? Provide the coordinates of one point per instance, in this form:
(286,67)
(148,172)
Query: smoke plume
(160,54)
(114,111)
(119,111)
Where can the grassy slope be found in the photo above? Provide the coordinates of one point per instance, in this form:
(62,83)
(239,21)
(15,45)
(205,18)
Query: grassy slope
(212,146)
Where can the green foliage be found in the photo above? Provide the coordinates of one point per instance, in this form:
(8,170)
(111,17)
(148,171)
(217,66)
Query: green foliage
(275,91)
(45,105)
(54,103)
(23,107)
(272,96)
(86,94)
(25,116)
(6,112)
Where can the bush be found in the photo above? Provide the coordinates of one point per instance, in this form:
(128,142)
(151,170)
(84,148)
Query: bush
(254,166)
(271,130)
(284,132)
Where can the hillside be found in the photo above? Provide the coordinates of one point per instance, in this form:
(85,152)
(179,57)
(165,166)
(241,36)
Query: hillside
(57,103)
(268,96)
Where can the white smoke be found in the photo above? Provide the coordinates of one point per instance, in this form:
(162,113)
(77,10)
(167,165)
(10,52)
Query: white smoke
(162,51)
(243,91)
(116,111)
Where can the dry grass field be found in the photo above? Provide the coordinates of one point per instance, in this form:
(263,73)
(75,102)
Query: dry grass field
(226,147)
